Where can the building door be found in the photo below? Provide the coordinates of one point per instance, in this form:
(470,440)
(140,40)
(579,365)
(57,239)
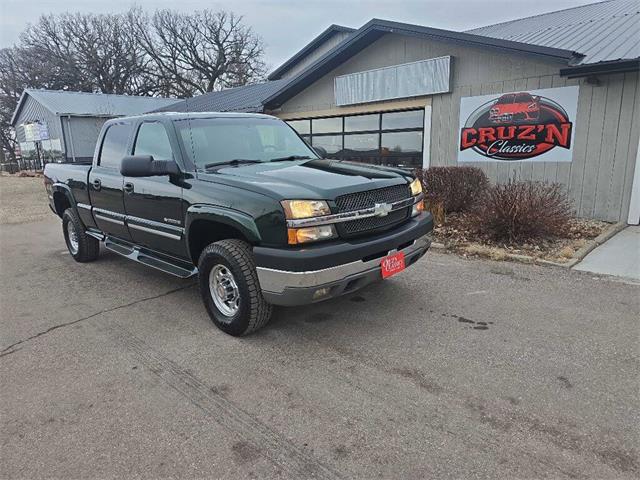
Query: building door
(154,204)
(105,182)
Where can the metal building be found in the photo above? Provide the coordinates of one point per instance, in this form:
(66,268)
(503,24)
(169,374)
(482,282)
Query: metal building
(62,126)
(553,97)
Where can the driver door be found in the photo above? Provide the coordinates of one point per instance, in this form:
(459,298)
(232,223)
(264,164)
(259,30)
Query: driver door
(154,204)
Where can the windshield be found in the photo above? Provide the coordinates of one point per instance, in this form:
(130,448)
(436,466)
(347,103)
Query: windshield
(221,140)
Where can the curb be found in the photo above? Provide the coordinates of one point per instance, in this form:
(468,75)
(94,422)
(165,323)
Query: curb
(577,257)
(599,240)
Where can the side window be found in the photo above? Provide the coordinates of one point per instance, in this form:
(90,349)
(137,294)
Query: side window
(153,140)
(114,146)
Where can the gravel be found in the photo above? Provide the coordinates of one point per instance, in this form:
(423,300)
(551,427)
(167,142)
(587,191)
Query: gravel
(22,199)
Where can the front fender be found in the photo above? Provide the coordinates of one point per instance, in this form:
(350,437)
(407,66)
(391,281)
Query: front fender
(227,216)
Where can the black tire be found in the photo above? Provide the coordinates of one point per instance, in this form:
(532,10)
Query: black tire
(234,257)
(85,248)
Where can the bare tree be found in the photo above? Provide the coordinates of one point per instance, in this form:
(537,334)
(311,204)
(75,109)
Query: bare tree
(200,52)
(94,52)
(166,53)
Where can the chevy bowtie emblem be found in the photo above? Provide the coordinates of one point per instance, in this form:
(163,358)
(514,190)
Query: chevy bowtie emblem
(382,209)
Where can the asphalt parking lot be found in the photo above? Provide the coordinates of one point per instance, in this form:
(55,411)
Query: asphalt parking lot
(455,369)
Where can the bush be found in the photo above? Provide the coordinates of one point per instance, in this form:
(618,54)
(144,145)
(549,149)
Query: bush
(452,189)
(518,211)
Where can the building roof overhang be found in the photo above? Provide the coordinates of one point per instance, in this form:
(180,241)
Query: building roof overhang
(376,28)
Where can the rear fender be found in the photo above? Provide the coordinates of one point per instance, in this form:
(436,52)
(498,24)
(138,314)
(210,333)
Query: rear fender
(61,188)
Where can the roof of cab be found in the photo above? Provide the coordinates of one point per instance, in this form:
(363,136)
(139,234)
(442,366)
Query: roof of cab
(189,115)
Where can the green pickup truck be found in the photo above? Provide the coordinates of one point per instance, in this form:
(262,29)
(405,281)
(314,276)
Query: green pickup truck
(244,203)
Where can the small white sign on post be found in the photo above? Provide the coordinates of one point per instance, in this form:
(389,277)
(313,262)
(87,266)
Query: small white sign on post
(531,125)
(35,131)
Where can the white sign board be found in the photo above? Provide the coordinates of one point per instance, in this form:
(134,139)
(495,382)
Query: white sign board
(527,125)
(36,131)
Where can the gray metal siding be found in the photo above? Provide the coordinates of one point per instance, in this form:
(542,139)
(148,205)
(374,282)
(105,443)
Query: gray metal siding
(607,126)
(34,111)
(414,79)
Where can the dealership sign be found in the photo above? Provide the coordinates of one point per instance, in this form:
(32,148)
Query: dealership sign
(533,125)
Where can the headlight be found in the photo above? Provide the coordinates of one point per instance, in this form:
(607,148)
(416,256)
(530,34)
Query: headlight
(295,209)
(310,234)
(416,187)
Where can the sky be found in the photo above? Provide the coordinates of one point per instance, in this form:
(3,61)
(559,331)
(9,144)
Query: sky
(288,25)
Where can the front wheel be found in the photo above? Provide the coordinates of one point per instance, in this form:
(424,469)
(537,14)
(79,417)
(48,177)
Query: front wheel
(230,289)
(82,247)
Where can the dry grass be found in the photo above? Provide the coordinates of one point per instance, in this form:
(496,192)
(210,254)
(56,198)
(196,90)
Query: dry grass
(484,251)
(459,236)
(22,199)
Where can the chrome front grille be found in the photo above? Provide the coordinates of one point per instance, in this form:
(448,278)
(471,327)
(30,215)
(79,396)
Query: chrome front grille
(368,199)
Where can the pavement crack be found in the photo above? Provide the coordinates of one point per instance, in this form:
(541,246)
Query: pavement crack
(12,348)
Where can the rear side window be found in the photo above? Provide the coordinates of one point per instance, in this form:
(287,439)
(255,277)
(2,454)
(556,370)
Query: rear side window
(114,146)
(153,140)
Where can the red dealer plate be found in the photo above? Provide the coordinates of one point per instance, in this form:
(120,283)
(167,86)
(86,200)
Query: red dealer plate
(392,264)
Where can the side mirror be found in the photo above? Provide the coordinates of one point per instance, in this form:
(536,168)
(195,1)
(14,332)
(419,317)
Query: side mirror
(322,152)
(146,166)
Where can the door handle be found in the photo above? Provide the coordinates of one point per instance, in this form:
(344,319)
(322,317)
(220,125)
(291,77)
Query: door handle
(97,184)
(128,187)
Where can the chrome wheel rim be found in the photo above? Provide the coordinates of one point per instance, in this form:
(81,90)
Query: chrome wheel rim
(72,237)
(224,290)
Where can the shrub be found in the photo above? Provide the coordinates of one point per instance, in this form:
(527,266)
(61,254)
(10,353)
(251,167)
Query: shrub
(453,189)
(518,211)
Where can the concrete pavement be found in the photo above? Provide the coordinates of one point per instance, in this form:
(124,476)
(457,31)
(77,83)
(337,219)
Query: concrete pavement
(454,369)
(619,256)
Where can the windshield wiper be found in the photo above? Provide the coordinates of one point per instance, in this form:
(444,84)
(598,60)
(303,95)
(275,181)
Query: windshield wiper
(234,162)
(290,157)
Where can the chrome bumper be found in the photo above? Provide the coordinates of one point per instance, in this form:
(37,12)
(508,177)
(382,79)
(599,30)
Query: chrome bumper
(281,287)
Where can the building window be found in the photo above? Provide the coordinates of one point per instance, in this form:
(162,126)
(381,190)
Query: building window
(362,123)
(390,138)
(361,142)
(303,127)
(403,149)
(400,120)
(331,143)
(326,125)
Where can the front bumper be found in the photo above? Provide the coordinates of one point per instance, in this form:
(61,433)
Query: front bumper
(295,286)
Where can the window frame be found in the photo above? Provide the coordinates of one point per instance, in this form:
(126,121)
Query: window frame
(135,139)
(104,137)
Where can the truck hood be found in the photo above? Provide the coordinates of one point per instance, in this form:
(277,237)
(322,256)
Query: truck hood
(307,179)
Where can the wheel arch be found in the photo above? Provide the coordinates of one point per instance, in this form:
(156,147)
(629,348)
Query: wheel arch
(62,198)
(206,224)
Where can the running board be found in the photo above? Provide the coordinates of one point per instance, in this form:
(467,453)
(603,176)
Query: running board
(145,258)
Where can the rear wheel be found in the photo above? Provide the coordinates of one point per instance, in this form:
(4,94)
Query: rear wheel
(82,247)
(230,289)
